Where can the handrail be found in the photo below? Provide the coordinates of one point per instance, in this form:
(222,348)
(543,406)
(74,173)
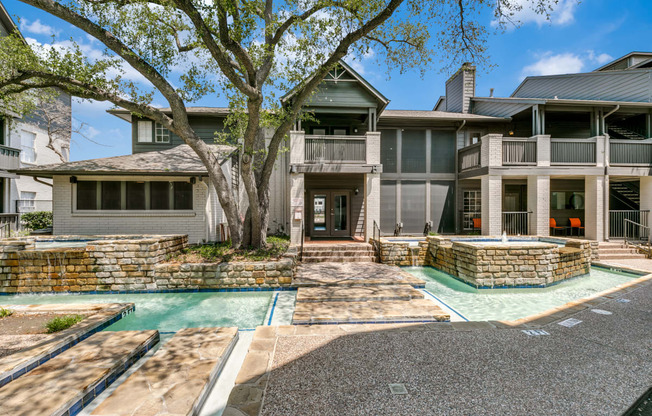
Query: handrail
(303,237)
(376,240)
(640,227)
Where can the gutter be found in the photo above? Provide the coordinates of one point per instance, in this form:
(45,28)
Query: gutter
(43,182)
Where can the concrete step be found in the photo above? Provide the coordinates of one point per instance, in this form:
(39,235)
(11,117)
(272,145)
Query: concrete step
(177,378)
(338,247)
(357,293)
(618,251)
(336,259)
(69,381)
(621,256)
(327,253)
(415,310)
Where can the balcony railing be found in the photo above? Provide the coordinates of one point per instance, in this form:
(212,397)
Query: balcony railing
(469,157)
(335,149)
(630,152)
(573,151)
(617,221)
(516,222)
(9,158)
(519,152)
(8,224)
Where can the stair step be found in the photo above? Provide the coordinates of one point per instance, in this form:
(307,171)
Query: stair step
(334,259)
(618,251)
(327,253)
(621,256)
(69,381)
(337,247)
(189,362)
(357,293)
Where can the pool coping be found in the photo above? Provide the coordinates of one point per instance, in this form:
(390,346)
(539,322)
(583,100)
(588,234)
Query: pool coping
(148,291)
(248,394)
(65,340)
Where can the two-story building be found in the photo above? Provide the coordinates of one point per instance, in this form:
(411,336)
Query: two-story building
(26,141)
(561,147)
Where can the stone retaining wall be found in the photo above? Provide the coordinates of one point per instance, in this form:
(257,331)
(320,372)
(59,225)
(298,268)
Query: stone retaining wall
(127,263)
(498,265)
(399,253)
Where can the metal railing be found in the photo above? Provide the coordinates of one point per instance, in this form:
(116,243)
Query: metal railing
(376,233)
(303,238)
(9,158)
(8,224)
(519,152)
(339,149)
(469,157)
(573,151)
(516,222)
(630,152)
(617,220)
(636,233)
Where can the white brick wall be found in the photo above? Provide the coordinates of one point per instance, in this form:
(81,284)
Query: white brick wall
(372,203)
(297,147)
(297,186)
(194,223)
(543,150)
(594,210)
(538,202)
(646,193)
(492,205)
(491,153)
(373,148)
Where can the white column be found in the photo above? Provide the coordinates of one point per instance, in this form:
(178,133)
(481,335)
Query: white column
(372,203)
(543,150)
(492,204)
(646,195)
(297,207)
(538,202)
(373,148)
(491,152)
(297,147)
(594,207)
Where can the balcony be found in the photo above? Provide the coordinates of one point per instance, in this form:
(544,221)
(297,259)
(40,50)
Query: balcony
(9,158)
(335,149)
(542,151)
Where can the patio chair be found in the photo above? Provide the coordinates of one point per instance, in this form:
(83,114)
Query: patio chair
(477,224)
(554,227)
(576,223)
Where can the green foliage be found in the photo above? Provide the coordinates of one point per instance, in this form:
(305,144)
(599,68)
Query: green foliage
(36,220)
(62,322)
(432,233)
(5,312)
(223,252)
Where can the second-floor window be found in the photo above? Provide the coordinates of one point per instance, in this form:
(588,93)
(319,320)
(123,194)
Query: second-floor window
(161,134)
(150,132)
(27,150)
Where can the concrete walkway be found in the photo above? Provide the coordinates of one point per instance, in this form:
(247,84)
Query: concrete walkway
(598,366)
(352,274)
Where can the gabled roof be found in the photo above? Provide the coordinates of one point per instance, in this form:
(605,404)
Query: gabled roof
(8,22)
(192,111)
(643,55)
(380,98)
(441,103)
(179,160)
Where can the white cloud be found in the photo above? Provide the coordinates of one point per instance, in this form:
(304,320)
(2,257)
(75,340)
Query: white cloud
(549,63)
(525,11)
(38,28)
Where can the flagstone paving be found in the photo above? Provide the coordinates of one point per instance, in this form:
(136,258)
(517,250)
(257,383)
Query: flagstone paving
(62,382)
(176,379)
(357,293)
(352,274)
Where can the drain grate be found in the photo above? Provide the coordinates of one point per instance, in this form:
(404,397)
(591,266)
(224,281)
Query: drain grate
(623,300)
(398,388)
(601,312)
(570,322)
(535,332)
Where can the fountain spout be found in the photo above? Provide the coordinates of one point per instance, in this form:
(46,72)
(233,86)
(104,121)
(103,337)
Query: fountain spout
(504,239)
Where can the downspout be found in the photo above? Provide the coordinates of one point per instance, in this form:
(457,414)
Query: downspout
(41,181)
(607,182)
(457,191)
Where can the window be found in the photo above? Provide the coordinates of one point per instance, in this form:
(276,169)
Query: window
(27,202)
(182,195)
(144,131)
(413,206)
(136,196)
(111,195)
(87,195)
(162,134)
(159,195)
(473,138)
(388,151)
(27,151)
(388,207)
(442,152)
(413,151)
(567,200)
(471,208)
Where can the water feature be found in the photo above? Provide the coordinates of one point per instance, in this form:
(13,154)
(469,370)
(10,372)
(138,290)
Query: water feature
(504,237)
(510,304)
(414,254)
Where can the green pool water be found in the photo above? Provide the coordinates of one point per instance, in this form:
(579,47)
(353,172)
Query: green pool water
(509,304)
(172,311)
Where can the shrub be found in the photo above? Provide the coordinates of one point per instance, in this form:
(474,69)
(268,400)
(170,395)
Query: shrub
(5,312)
(36,220)
(62,322)
(218,252)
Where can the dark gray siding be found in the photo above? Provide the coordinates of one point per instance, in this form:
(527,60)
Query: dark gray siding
(342,94)
(498,109)
(455,93)
(631,85)
(204,126)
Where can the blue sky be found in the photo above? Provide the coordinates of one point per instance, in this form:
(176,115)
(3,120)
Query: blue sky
(580,37)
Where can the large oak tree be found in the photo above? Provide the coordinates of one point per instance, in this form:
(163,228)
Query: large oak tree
(250,51)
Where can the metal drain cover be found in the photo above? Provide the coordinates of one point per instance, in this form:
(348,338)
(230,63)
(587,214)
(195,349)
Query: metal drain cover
(623,300)
(535,332)
(398,388)
(570,322)
(601,312)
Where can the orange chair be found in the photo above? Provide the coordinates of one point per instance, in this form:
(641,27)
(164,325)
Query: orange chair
(477,224)
(554,227)
(576,223)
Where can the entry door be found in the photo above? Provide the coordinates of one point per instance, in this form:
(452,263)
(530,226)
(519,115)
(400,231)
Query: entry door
(330,214)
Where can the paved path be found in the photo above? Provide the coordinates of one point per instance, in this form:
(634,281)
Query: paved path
(600,366)
(642,264)
(347,274)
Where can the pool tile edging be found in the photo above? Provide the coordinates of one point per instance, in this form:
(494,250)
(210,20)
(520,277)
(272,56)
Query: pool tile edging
(63,344)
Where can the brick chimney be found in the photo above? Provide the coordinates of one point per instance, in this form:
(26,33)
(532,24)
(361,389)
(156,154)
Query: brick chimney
(460,88)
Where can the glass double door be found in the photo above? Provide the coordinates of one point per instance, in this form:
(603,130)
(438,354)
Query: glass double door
(330,214)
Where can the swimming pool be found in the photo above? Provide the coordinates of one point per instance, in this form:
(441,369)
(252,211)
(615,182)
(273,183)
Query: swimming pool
(170,312)
(509,304)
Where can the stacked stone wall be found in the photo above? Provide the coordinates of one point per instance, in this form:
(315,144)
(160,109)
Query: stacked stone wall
(399,253)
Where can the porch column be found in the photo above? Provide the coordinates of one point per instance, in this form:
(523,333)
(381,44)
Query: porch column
(297,207)
(371,203)
(492,204)
(594,207)
(538,203)
(646,197)
(297,147)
